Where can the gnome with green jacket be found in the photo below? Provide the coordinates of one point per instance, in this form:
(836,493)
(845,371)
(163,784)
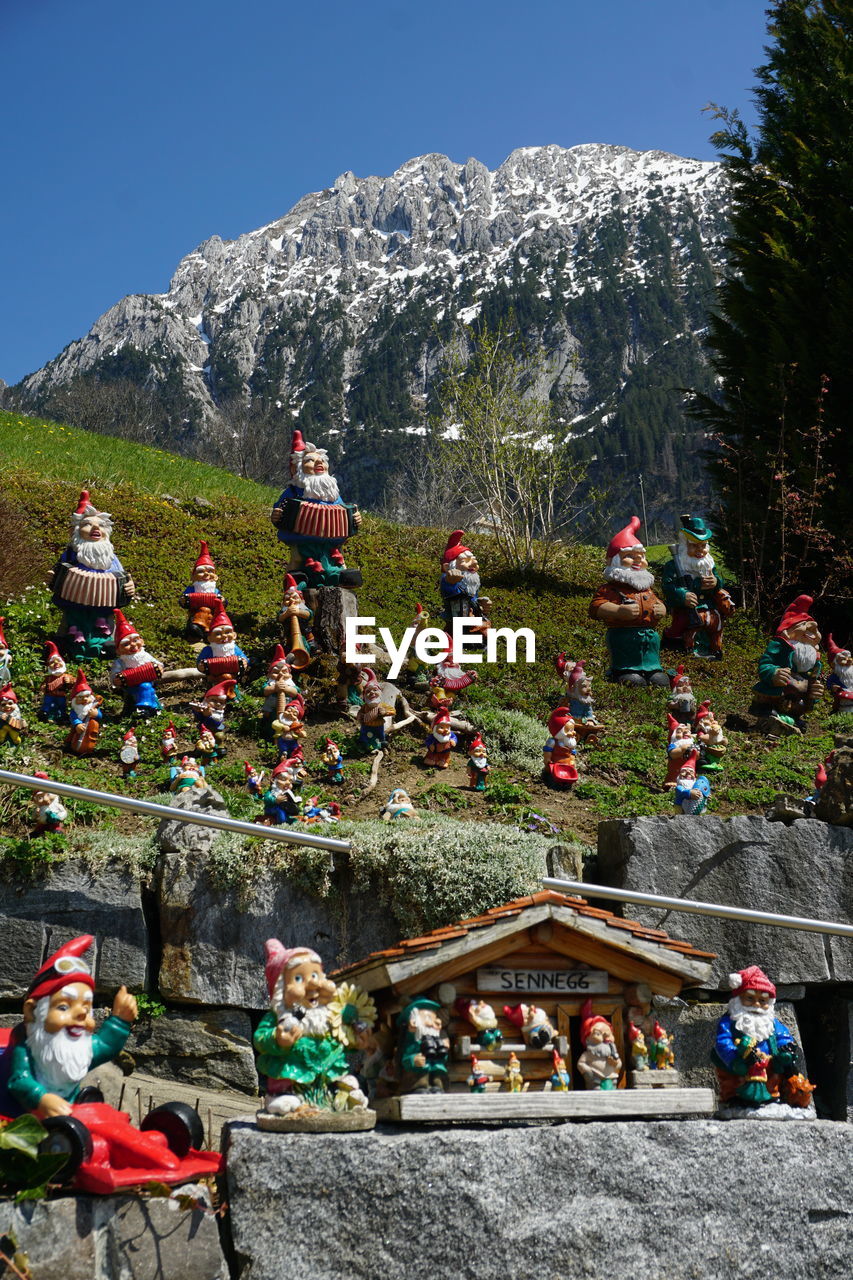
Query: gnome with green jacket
(423,1048)
(695,593)
(789,671)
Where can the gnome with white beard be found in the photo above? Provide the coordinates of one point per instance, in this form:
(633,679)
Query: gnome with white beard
(56,1045)
(840,680)
(89,584)
(314,521)
(755,1054)
(789,670)
(695,593)
(627,605)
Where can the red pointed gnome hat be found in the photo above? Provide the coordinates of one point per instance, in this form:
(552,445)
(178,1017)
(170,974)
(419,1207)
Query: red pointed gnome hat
(130,735)
(677,675)
(477,742)
(514,1013)
(820,776)
(220,619)
(690,762)
(461,1005)
(3,644)
(39,773)
(672,723)
(561,662)
(558,719)
(455,547)
(577,672)
(297,443)
(170,731)
(797,611)
(831,647)
(123,627)
(751,979)
(278,958)
(441,717)
(84,506)
(588,1018)
(50,652)
(625,538)
(81,684)
(290,584)
(703,709)
(634,1032)
(225,688)
(64,966)
(204,560)
(278,656)
(8,692)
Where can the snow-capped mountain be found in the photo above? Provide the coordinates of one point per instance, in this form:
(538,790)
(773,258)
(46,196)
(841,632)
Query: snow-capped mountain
(340,311)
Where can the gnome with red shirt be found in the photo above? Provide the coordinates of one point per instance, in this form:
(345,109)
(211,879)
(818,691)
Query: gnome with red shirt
(222,656)
(627,605)
(55,687)
(135,672)
(789,682)
(13,726)
(202,598)
(56,1045)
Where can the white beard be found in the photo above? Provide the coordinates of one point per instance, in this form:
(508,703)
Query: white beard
(224,650)
(204,588)
(563,739)
(323,487)
(59,1060)
(759,1026)
(316,1021)
(638,579)
(804,657)
(691,568)
(844,675)
(682,744)
(83,710)
(471,583)
(441,735)
(135,659)
(604,1050)
(93,555)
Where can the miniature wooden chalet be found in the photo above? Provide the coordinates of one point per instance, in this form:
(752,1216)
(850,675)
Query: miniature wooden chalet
(553,951)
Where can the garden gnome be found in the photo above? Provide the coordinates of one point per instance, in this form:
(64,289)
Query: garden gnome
(560,750)
(478,1079)
(679,747)
(789,682)
(440,742)
(681,703)
(187,776)
(398,805)
(561,1081)
(135,672)
(333,762)
(639,1048)
(482,1018)
(5,658)
(599,1064)
(13,726)
(290,729)
(313,521)
(222,657)
(50,811)
(692,793)
(695,593)
(513,1078)
(56,1045)
(254,780)
(840,680)
(630,610)
(88,584)
(295,619)
(202,598)
(661,1052)
(579,698)
(301,1059)
(206,747)
(755,1055)
(478,764)
(423,1048)
(210,712)
(372,716)
(282,804)
(710,739)
(278,690)
(533,1023)
(129,754)
(460,582)
(55,686)
(85,716)
(169,744)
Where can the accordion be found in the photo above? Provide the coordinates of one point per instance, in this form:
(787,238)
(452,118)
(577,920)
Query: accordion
(148,673)
(202,600)
(222,667)
(90,587)
(317,519)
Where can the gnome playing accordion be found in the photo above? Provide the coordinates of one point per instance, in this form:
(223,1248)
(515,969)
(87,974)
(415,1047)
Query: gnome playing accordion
(313,521)
(89,584)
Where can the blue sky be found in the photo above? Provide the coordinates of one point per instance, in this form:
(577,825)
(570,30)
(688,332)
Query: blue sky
(140,130)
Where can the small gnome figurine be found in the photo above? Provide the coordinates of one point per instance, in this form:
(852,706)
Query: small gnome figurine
(13,726)
(579,699)
(840,680)
(254,780)
(712,742)
(188,775)
(206,747)
(210,712)
(202,598)
(278,690)
(680,746)
(789,671)
(399,805)
(561,1081)
(681,703)
(50,811)
(692,793)
(372,716)
(478,1079)
(135,672)
(661,1052)
(482,1017)
(639,1048)
(513,1079)
(560,750)
(282,803)
(295,619)
(5,658)
(55,687)
(439,742)
(533,1023)
(333,762)
(128,756)
(85,716)
(423,1048)
(478,764)
(169,744)
(222,657)
(599,1064)
(290,729)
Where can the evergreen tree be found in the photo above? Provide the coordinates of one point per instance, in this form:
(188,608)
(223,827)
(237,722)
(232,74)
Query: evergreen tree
(780,338)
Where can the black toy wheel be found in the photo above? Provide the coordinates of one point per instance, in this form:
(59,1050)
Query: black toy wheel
(67,1136)
(181,1124)
(90,1094)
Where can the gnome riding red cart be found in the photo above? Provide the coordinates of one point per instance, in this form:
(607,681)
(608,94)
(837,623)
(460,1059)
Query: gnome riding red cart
(46,1057)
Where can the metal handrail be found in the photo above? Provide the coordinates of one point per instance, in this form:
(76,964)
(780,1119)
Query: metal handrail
(693,907)
(147,807)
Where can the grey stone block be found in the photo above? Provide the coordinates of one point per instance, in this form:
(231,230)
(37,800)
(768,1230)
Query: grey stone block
(805,869)
(619,1200)
(190,838)
(38,916)
(211,1049)
(57,1236)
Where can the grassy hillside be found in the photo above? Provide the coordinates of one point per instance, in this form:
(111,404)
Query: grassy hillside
(163,505)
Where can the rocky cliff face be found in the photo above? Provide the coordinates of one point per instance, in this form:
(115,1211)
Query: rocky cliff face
(338,315)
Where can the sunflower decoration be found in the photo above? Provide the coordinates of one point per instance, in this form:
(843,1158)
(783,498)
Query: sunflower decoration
(350,1010)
